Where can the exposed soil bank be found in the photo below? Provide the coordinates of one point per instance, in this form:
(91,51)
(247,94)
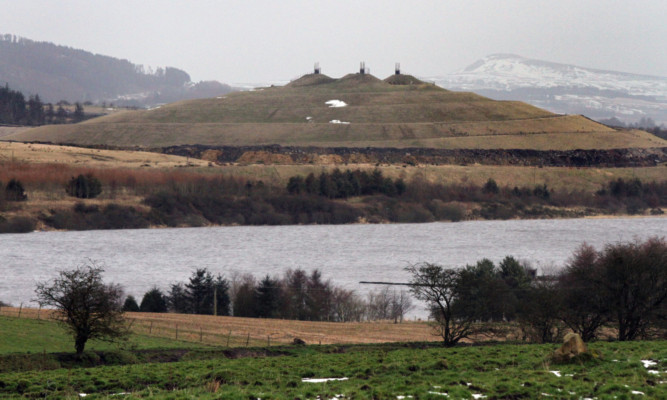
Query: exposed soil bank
(277,154)
(334,155)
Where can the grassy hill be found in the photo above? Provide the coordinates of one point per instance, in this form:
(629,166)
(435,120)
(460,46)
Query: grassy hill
(397,112)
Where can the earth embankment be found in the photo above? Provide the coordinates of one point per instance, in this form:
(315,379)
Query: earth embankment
(275,154)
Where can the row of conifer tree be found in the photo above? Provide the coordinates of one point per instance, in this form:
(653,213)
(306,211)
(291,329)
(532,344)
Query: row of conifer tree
(16,110)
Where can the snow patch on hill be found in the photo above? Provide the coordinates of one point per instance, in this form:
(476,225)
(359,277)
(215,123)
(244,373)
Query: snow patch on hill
(563,88)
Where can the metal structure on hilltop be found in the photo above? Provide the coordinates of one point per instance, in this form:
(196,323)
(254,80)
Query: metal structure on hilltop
(362,68)
(397,68)
(317,69)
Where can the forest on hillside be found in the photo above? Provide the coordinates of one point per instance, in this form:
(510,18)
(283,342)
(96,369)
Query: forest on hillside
(16,110)
(64,73)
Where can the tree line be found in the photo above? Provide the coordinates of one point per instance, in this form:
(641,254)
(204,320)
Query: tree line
(645,123)
(622,287)
(16,110)
(341,185)
(297,295)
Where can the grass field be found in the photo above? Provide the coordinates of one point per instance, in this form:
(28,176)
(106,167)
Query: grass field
(27,335)
(379,371)
(37,164)
(96,158)
(379,115)
(236,331)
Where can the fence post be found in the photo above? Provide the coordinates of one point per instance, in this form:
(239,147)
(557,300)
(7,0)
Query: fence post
(228,337)
(150,329)
(39,310)
(268,340)
(247,341)
(20,308)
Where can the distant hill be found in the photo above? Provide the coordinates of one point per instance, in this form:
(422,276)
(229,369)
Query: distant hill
(357,110)
(63,73)
(563,88)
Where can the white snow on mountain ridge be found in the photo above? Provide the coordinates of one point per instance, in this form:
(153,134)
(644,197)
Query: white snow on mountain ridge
(507,72)
(563,88)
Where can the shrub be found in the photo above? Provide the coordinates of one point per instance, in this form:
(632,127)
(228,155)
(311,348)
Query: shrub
(130,304)
(154,301)
(84,187)
(540,311)
(497,211)
(118,357)
(82,217)
(17,225)
(625,283)
(490,187)
(452,211)
(14,191)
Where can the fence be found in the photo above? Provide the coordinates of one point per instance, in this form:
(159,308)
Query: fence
(254,332)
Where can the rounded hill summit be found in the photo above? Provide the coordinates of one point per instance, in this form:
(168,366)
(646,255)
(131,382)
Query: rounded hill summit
(357,110)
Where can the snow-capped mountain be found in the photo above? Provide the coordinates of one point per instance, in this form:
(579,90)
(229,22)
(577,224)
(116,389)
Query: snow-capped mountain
(564,88)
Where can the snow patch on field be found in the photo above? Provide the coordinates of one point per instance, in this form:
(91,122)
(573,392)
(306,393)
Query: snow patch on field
(337,121)
(318,380)
(335,103)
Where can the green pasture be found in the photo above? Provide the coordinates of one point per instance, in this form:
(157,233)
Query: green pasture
(416,370)
(29,336)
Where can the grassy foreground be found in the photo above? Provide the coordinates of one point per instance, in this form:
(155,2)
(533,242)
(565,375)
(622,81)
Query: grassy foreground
(380,371)
(23,335)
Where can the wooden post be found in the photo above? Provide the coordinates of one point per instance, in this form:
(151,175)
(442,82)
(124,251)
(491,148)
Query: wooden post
(268,340)
(247,341)
(39,310)
(228,337)
(20,308)
(150,328)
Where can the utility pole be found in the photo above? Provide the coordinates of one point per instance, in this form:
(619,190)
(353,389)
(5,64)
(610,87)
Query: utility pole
(215,300)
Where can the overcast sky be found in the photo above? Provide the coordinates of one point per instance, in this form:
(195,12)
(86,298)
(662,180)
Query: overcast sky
(273,41)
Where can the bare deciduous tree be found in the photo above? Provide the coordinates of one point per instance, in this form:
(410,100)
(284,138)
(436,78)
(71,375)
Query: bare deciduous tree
(437,286)
(346,305)
(86,306)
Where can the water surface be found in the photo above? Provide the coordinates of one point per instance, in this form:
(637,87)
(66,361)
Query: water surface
(142,258)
